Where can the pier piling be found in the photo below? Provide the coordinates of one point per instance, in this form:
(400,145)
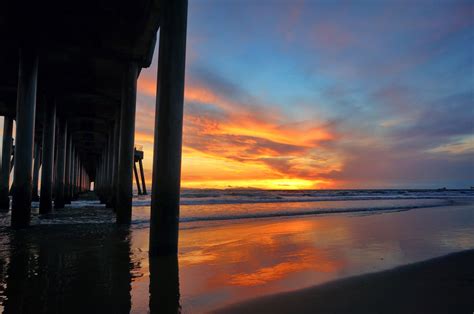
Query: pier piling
(142,174)
(137,180)
(36,168)
(61,164)
(126,146)
(25,127)
(5,171)
(168,129)
(49,127)
(67,179)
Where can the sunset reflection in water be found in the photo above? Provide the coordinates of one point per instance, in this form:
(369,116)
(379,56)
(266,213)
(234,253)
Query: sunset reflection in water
(50,267)
(227,262)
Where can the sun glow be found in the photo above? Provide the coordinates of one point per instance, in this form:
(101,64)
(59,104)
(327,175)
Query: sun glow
(237,145)
(271,184)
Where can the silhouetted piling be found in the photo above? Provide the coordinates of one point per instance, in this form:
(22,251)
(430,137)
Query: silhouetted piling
(126,147)
(116,157)
(61,165)
(49,126)
(25,127)
(137,181)
(164,220)
(164,284)
(67,180)
(140,162)
(5,171)
(36,168)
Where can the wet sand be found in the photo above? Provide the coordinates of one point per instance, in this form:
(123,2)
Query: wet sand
(439,285)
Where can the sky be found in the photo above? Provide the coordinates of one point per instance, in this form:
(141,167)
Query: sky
(324,94)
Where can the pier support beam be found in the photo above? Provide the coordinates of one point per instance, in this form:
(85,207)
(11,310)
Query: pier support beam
(71,179)
(61,164)
(110,161)
(142,176)
(116,158)
(103,191)
(164,284)
(78,177)
(36,167)
(49,127)
(168,129)
(67,180)
(137,180)
(5,171)
(126,147)
(25,122)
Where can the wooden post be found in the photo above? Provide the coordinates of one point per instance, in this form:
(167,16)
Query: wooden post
(126,147)
(49,126)
(36,167)
(143,176)
(61,165)
(136,178)
(5,172)
(164,220)
(25,127)
(67,180)
(116,158)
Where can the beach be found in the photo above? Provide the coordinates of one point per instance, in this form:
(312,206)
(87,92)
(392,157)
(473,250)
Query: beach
(175,156)
(75,260)
(440,285)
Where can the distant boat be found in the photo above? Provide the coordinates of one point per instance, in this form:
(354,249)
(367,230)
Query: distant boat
(443,189)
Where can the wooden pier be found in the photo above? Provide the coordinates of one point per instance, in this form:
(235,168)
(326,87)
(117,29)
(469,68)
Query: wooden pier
(69,81)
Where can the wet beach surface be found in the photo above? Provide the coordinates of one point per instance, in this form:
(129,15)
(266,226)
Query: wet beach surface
(440,285)
(92,265)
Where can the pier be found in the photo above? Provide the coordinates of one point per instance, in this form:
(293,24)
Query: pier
(69,82)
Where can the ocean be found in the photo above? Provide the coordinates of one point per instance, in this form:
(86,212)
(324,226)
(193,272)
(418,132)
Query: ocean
(211,205)
(206,206)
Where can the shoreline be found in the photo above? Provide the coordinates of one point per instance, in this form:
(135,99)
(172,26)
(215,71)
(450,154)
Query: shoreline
(220,264)
(440,285)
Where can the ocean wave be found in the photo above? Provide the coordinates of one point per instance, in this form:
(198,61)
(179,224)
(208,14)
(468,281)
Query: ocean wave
(305,213)
(89,212)
(266,197)
(189,214)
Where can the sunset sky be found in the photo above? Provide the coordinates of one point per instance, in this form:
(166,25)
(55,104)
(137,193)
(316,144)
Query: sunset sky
(324,94)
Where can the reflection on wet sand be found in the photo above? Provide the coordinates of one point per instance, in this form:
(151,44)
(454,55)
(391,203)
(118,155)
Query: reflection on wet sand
(164,284)
(257,253)
(68,269)
(81,268)
(230,262)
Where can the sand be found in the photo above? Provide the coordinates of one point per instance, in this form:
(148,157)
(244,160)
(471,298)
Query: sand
(440,285)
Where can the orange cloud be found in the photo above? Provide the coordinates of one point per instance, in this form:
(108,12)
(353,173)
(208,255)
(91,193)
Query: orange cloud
(228,143)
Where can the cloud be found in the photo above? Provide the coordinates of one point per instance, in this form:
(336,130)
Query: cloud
(283,149)
(228,127)
(324,95)
(438,122)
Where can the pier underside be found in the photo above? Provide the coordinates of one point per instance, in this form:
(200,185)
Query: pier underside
(68,79)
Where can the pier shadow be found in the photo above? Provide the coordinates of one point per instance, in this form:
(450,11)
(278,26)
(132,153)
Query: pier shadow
(67,269)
